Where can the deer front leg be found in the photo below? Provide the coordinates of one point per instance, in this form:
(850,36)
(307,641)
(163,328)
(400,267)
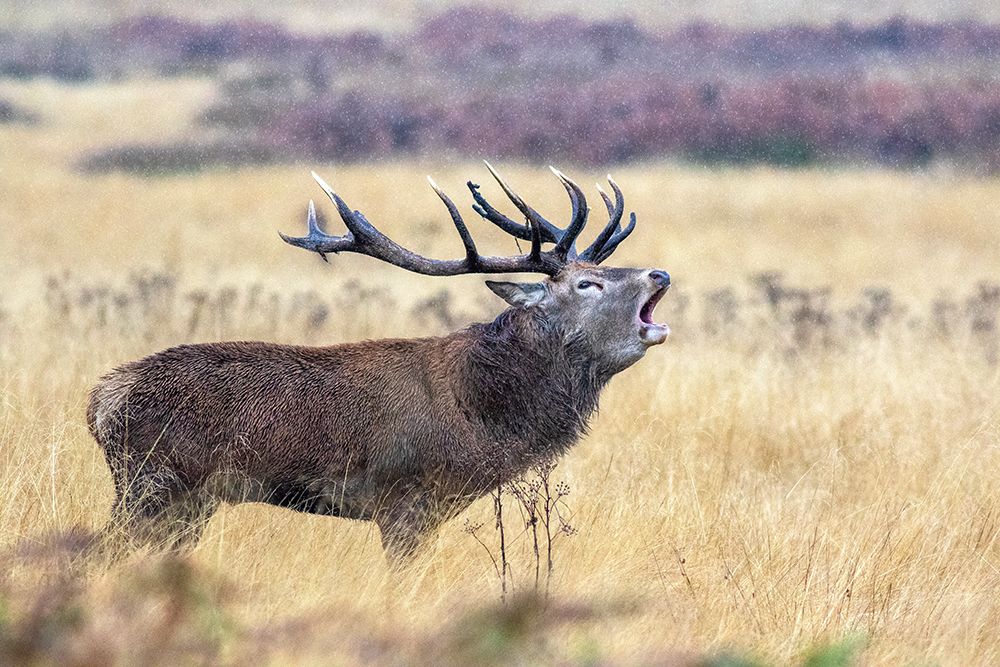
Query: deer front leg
(406,524)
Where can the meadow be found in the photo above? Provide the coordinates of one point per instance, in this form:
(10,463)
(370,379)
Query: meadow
(811,459)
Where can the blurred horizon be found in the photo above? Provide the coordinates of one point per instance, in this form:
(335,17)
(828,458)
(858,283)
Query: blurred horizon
(401,15)
(469,80)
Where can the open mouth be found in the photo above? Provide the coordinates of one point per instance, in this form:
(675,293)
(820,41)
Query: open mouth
(651,332)
(646,312)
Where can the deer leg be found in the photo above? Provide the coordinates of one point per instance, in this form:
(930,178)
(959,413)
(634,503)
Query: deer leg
(141,512)
(187,520)
(406,525)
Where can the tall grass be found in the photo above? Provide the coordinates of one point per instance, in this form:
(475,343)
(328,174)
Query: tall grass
(793,468)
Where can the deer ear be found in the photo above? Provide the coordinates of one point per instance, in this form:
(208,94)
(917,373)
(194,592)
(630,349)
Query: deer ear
(520,295)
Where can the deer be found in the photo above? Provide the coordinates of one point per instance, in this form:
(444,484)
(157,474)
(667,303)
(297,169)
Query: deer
(405,433)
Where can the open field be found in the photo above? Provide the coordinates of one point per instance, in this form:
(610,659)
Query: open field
(762,483)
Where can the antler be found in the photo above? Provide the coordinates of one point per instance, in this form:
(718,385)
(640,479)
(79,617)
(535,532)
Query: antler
(362,237)
(612,234)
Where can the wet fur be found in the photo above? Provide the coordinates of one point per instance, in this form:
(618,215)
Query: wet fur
(402,432)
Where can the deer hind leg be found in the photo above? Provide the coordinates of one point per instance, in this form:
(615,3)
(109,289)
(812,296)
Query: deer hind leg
(154,510)
(186,520)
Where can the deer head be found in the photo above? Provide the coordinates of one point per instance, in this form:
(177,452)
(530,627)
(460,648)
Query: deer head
(606,310)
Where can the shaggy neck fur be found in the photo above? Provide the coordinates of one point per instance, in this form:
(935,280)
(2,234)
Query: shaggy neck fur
(533,387)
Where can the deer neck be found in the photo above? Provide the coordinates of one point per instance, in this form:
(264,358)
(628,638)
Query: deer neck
(532,388)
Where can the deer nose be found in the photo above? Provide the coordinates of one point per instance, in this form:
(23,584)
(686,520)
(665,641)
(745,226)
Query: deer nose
(661,278)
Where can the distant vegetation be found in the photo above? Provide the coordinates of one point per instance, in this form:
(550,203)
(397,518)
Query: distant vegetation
(487,82)
(788,319)
(12,113)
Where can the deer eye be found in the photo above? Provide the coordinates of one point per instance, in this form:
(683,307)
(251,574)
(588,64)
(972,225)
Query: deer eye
(585,284)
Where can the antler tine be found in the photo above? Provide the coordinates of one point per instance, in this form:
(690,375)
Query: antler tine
(486,210)
(613,242)
(314,238)
(536,241)
(615,212)
(607,200)
(619,209)
(567,244)
(471,254)
(529,213)
(356,223)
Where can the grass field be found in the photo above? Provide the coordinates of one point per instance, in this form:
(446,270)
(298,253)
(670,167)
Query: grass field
(741,490)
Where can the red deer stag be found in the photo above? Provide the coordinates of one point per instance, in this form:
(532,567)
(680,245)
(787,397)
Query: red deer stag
(403,432)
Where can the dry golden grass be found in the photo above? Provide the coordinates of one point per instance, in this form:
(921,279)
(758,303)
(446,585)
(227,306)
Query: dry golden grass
(739,497)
